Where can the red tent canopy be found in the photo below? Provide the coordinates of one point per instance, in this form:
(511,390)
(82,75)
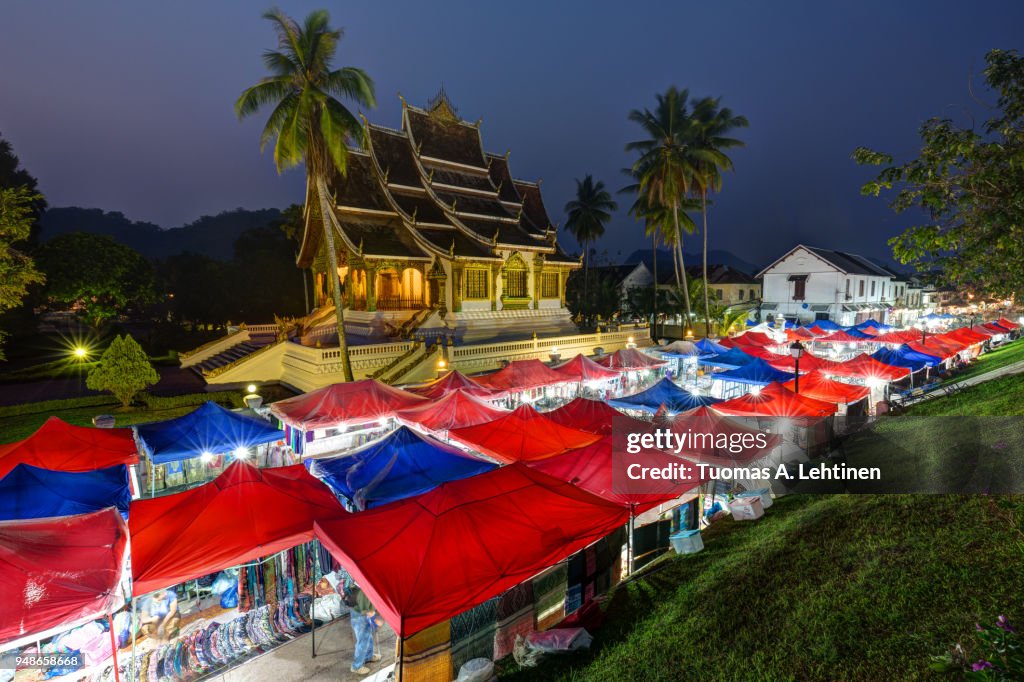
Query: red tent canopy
(59,446)
(425,559)
(989,333)
(844,337)
(808,363)
(799,334)
(59,572)
(1003,322)
(707,420)
(453,381)
(966,335)
(355,402)
(629,358)
(582,368)
(761,352)
(754,339)
(522,435)
(937,347)
(818,386)
(243,514)
(996,327)
(898,337)
(592,416)
(866,367)
(775,401)
(456,410)
(522,375)
(591,468)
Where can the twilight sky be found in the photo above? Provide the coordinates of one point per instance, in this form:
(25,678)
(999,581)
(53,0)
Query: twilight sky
(128,106)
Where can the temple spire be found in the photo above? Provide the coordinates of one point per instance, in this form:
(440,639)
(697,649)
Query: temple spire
(441,106)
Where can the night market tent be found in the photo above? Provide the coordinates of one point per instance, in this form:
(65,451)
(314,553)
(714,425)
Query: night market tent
(522,375)
(681,348)
(752,338)
(758,373)
(985,330)
(859,333)
(775,401)
(582,368)
(760,352)
(966,335)
(819,387)
(997,328)
(592,416)
(709,347)
(873,324)
(826,326)
(209,429)
(708,420)
(664,393)
(899,337)
(936,348)
(729,359)
(243,514)
(57,573)
(799,334)
(867,368)
(629,358)
(524,434)
(905,357)
(453,411)
(399,466)
(808,363)
(425,559)
(59,446)
(592,469)
(355,402)
(842,336)
(1003,322)
(453,381)
(28,492)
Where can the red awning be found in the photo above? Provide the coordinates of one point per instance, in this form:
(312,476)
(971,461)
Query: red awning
(352,403)
(582,368)
(592,416)
(425,559)
(937,347)
(898,338)
(1003,322)
(799,334)
(708,420)
(818,386)
(761,352)
(453,381)
(775,401)
(522,375)
(522,435)
(808,363)
(754,339)
(843,337)
(243,514)
(866,367)
(591,468)
(965,335)
(59,446)
(456,410)
(629,358)
(997,328)
(59,572)
(985,330)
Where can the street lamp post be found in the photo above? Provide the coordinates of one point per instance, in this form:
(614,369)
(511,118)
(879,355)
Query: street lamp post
(796,349)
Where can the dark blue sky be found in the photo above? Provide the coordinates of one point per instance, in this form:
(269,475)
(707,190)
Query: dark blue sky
(127,106)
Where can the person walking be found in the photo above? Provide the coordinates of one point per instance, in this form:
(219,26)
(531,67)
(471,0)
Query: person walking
(362,615)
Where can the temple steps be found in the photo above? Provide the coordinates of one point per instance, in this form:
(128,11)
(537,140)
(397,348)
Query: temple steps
(235,352)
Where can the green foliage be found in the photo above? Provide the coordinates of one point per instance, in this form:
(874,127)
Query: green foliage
(589,212)
(49,407)
(997,654)
(588,299)
(13,176)
(17,270)
(96,275)
(969,185)
(124,370)
(226,398)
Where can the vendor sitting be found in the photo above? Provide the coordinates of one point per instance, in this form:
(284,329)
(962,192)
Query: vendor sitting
(160,617)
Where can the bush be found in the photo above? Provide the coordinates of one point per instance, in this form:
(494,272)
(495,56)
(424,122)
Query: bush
(51,406)
(124,370)
(225,398)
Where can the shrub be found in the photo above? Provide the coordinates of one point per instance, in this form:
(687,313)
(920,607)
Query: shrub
(124,370)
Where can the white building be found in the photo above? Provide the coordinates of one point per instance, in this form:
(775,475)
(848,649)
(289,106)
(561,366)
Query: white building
(809,283)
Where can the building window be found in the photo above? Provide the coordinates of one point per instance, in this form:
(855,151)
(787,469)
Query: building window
(741,294)
(549,285)
(476,284)
(515,284)
(752,296)
(872,287)
(718,294)
(847,287)
(861,288)
(799,289)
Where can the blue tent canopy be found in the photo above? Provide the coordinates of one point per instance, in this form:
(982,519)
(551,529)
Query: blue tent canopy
(856,332)
(208,429)
(709,347)
(402,465)
(674,398)
(826,325)
(731,358)
(874,324)
(905,356)
(757,372)
(28,492)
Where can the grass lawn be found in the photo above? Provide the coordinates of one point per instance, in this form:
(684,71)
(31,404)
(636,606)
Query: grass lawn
(22,426)
(834,587)
(1007,354)
(999,397)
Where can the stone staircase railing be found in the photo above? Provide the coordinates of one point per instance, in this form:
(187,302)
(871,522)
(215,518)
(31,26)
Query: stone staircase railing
(208,350)
(404,363)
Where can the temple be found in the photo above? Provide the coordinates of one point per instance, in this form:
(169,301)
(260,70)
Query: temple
(436,237)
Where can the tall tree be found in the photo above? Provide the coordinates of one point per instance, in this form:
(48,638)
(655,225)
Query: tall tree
(17,270)
(310,123)
(969,186)
(709,140)
(588,213)
(124,370)
(13,176)
(664,169)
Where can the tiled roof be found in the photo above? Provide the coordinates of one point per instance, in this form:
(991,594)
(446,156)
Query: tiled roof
(380,238)
(395,157)
(502,178)
(464,247)
(360,187)
(849,263)
(452,141)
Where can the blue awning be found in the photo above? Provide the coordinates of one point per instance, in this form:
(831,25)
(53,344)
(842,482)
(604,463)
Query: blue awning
(402,465)
(28,492)
(856,332)
(905,356)
(826,325)
(709,347)
(674,398)
(757,372)
(731,358)
(208,429)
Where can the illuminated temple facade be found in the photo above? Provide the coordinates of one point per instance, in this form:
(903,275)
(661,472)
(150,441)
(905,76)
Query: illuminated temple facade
(437,236)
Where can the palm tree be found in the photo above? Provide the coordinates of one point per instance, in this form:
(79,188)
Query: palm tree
(311,125)
(664,169)
(588,213)
(709,139)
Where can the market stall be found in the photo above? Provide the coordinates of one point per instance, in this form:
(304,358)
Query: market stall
(521,435)
(593,379)
(455,380)
(455,410)
(664,394)
(59,446)
(528,381)
(28,492)
(592,416)
(749,377)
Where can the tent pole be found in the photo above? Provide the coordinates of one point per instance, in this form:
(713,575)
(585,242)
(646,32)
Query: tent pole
(629,542)
(113,647)
(312,609)
(401,653)
(134,629)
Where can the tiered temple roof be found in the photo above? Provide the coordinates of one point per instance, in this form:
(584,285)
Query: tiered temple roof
(430,190)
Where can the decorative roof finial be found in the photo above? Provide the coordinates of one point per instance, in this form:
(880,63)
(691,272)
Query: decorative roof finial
(415,209)
(494,239)
(451,249)
(441,107)
(453,204)
(430,176)
(507,152)
(404,103)
(360,246)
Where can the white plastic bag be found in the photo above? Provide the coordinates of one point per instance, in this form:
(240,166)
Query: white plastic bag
(476,670)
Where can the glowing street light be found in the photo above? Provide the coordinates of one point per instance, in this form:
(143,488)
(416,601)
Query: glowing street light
(241,453)
(80,352)
(251,388)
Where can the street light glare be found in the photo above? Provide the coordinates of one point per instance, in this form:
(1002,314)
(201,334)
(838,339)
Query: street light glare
(80,352)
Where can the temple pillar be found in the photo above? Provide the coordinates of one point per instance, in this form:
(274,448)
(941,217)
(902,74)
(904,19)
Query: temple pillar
(456,288)
(371,288)
(495,272)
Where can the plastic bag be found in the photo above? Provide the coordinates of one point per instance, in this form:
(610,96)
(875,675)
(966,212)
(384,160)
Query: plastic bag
(229,599)
(223,582)
(476,670)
